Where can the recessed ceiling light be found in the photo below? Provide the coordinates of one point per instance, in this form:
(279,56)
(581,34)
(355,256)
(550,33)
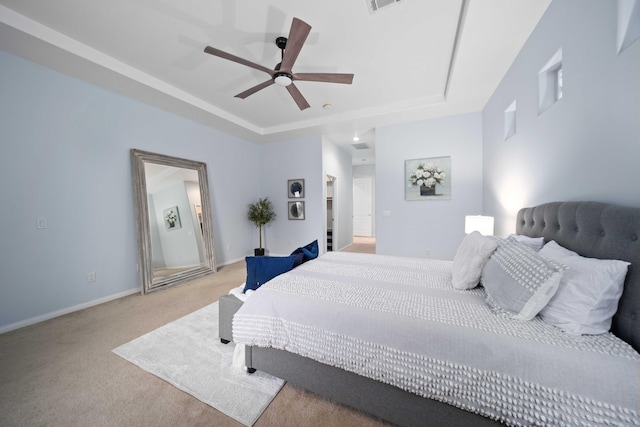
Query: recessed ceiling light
(356,138)
(327,106)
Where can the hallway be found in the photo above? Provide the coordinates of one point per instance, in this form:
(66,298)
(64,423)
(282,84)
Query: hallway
(365,245)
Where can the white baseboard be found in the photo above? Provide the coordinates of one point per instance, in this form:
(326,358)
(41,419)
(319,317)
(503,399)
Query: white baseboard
(231,261)
(51,315)
(57,313)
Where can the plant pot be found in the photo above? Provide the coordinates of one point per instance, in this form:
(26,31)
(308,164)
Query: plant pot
(258,252)
(427,191)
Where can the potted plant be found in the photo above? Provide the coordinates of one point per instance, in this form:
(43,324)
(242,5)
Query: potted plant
(261,213)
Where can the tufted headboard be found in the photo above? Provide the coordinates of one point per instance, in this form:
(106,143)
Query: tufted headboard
(595,230)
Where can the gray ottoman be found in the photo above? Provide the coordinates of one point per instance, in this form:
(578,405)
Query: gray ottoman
(227,305)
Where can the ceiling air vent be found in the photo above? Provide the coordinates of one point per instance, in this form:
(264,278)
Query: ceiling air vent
(375,5)
(360,146)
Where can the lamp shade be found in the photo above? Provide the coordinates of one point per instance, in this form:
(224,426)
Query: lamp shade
(483,224)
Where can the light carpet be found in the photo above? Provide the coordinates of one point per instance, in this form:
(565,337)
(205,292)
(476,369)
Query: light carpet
(188,354)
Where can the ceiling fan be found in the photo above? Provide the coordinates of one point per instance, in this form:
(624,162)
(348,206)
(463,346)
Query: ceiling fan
(283,74)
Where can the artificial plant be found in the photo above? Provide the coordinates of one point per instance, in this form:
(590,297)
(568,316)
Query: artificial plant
(261,213)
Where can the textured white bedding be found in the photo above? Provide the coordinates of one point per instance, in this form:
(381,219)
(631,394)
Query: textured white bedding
(399,321)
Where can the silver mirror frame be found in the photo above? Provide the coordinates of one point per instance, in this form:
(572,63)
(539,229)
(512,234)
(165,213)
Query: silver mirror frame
(145,264)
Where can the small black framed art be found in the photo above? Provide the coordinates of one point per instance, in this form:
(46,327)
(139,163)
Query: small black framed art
(296,210)
(295,188)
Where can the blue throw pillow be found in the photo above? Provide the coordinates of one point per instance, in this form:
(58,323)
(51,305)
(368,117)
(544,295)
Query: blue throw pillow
(299,259)
(308,252)
(261,269)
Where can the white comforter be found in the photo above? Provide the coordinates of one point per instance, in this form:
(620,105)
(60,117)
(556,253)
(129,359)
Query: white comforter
(399,321)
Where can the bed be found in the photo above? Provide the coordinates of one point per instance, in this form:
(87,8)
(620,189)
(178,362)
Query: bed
(479,366)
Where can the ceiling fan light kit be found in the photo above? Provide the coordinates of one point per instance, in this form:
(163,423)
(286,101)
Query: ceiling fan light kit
(283,79)
(282,74)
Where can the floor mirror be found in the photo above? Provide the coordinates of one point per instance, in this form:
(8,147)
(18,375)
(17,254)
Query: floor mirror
(173,215)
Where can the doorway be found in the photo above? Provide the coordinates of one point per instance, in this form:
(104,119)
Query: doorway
(331,211)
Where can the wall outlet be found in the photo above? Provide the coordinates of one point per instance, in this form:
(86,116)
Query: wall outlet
(41,223)
(229,247)
(427,252)
(91,277)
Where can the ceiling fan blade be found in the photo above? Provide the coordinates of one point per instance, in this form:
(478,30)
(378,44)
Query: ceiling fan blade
(297,36)
(254,89)
(216,52)
(324,77)
(297,96)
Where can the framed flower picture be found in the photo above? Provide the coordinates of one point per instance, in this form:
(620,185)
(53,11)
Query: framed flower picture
(295,188)
(428,179)
(172,218)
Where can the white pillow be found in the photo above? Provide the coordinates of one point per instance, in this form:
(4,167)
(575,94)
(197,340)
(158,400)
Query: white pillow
(535,243)
(471,256)
(589,292)
(518,281)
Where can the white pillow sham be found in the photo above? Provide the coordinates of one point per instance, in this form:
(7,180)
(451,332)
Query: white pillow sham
(589,292)
(471,256)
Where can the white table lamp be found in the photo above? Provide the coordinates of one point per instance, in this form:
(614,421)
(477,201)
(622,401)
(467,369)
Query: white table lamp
(483,224)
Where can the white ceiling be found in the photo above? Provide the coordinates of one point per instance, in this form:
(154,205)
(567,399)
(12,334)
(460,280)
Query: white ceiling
(413,60)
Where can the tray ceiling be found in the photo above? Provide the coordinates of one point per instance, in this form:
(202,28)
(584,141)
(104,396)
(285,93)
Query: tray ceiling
(414,60)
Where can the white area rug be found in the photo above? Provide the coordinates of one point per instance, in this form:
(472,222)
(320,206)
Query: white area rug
(188,354)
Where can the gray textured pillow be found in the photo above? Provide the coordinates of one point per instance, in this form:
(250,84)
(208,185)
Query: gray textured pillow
(471,256)
(535,243)
(518,281)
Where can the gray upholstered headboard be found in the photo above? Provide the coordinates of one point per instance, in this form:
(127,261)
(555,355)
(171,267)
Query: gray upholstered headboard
(595,230)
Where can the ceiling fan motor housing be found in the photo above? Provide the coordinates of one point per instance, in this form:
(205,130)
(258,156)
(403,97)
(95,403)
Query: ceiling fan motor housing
(281,42)
(282,78)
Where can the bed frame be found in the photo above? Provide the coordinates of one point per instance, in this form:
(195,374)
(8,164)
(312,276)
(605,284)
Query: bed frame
(591,229)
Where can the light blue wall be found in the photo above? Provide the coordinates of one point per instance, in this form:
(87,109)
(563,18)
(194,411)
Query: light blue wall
(282,161)
(65,156)
(584,147)
(310,159)
(435,225)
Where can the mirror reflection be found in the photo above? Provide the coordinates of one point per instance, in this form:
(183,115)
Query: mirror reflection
(174,226)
